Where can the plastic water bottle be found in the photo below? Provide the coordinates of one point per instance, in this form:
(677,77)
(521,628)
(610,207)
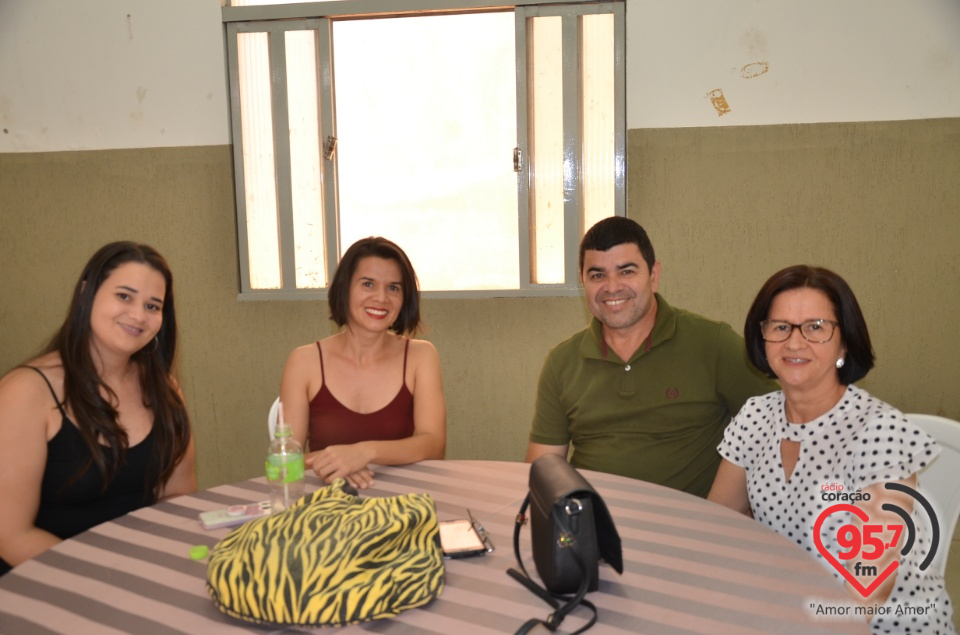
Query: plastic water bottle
(284,467)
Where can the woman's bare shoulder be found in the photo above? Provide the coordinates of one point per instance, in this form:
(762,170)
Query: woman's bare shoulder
(302,363)
(423,352)
(24,387)
(302,353)
(48,364)
(422,346)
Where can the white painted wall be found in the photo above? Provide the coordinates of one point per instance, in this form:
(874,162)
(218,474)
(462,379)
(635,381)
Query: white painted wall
(150,73)
(827,60)
(101,74)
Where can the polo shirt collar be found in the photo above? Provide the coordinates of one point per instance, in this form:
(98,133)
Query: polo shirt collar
(664,328)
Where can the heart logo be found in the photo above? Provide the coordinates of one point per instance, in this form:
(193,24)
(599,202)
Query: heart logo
(864,591)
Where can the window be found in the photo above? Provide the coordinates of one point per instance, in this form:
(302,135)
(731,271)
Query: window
(482,141)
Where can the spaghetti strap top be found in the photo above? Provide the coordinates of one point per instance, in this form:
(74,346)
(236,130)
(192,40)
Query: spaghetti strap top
(53,393)
(72,496)
(332,423)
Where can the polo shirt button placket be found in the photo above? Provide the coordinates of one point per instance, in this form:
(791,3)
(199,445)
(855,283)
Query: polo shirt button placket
(628,381)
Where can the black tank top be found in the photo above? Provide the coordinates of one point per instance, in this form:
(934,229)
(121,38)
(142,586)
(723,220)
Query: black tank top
(67,511)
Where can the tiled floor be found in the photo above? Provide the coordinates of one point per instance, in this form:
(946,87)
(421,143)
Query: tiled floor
(952,576)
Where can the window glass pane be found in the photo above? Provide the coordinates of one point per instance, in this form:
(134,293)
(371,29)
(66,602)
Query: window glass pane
(260,187)
(598,117)
(305,172)
(545,87)
(426,126)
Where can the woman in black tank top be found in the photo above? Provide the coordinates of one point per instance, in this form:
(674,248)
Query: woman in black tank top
(95,427)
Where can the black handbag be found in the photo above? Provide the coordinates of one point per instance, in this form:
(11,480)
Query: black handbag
(571,530)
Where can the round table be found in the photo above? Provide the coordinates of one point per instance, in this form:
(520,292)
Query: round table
(689,567)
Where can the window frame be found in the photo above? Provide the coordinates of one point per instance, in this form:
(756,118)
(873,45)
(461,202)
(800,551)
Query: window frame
(318,16)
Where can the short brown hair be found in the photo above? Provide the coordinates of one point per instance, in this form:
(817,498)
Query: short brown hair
(853,328)
(338,296)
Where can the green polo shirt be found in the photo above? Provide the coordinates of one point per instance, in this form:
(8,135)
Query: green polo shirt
(660,415)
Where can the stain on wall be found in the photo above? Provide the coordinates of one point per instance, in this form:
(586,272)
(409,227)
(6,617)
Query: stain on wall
(719,102)
(754,69)
(754,43)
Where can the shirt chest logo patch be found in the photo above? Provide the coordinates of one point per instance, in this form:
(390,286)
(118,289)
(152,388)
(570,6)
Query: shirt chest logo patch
(673,393)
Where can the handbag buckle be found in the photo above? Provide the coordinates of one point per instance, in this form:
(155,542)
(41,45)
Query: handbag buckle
(572,507)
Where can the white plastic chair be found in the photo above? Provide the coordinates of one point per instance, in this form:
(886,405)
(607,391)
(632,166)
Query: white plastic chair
(939,481)
(272,417)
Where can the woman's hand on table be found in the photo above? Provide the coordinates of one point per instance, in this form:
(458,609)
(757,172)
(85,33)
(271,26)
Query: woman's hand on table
(361,479)
(343,461)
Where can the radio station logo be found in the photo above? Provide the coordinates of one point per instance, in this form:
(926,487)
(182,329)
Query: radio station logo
(866,543)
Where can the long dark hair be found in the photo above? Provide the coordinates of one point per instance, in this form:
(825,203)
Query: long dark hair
(83,387)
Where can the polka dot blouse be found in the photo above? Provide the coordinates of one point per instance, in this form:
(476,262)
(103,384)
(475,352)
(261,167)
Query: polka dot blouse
(861,441)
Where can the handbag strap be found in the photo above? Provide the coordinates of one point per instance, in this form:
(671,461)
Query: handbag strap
(553,599)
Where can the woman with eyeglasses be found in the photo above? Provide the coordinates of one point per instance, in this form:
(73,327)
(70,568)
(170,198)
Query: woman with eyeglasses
(792,455)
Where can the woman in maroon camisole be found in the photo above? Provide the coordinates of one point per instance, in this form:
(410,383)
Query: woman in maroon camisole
(369,394)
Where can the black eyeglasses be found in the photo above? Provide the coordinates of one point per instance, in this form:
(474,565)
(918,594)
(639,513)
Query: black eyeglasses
(815,331)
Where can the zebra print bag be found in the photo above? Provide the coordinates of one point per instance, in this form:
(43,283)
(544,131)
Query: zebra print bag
(330,559)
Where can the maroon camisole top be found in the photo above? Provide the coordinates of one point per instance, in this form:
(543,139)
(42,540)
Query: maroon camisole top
(332,423)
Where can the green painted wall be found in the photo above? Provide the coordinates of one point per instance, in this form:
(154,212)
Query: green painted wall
(876,202)
(725,208)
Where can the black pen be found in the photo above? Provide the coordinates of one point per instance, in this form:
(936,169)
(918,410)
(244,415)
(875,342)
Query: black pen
(481,532)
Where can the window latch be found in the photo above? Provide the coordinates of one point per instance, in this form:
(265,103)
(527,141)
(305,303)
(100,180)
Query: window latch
(517,160)
(329,147)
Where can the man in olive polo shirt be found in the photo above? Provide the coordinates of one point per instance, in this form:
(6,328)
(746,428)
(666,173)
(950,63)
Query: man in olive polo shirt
(646,390)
